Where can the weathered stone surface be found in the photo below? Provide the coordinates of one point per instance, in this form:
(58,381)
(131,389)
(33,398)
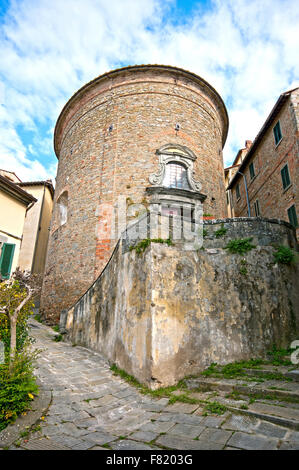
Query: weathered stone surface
(176,442)
(187,430)
(44,444)
(127,444)
(250,442)
(167,304)
(241,423)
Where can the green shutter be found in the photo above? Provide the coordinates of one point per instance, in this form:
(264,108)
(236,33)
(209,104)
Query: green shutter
(293,216)
(277,133)
(6,258)
(251,170)
(285,177)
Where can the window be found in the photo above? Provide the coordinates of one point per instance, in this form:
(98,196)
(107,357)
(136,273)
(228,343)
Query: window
(257,208)
(176,176)
(277,133)
(62,204)
(251,171)
(285,176)
(238,191)
(6,259)
(293,216)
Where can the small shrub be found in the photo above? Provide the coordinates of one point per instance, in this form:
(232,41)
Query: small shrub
(143,244)
(240,246)
(216,408)
(221,232)
(284,255)
(17,386)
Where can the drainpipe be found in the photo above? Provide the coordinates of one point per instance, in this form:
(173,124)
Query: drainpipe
(246,190)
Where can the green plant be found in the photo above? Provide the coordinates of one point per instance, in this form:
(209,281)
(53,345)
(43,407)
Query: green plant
(278,356)
(56,328)
(240,246)
(221,232)
(58,338)
(284,255)
(17,386)
(143,244)
(183,398)
(205,233)
(216,408)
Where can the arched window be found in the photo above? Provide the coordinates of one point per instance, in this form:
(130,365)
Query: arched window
(62,204)
(175,176)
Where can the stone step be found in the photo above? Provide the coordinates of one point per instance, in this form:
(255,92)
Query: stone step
(286,391)
(293,374)
(283,416)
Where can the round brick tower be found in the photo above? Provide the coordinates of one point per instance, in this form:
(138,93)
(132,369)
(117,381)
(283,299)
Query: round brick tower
(119,138)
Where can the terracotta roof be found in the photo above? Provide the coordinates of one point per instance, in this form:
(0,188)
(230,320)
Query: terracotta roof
(15,191)
(47,183)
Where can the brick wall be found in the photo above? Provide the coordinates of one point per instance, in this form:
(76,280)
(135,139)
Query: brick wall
(106,138)
(269,159)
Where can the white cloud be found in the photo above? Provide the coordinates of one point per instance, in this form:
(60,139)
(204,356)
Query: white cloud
(247,50)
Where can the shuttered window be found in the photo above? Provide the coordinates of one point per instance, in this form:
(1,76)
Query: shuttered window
(293,216)
(285,176)
(277,133)
(6,258)
(251,171)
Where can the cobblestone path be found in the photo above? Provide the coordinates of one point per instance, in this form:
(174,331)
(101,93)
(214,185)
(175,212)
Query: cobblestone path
(93,409)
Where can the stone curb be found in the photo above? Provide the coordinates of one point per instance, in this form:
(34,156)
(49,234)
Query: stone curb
(248,391)
(39,407)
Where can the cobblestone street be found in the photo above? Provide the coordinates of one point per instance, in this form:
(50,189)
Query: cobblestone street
(93,409)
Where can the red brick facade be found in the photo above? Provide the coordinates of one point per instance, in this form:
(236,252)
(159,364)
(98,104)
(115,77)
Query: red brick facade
(106,140)
(270,192)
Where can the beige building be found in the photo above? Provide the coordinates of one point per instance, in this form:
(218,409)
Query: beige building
(25,213)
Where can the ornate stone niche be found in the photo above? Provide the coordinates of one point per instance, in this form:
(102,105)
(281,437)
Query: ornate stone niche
(174,188)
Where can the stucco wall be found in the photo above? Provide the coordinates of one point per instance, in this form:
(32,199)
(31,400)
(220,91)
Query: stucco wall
(171,311)
(12,216)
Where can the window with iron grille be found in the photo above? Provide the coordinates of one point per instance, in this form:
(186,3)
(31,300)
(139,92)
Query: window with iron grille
(176,176)
(277,133)
(285,176)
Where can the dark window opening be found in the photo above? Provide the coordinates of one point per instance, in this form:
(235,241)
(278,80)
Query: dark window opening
(285,176)
(251,170)
(293,216)
(277,133)
(257,208)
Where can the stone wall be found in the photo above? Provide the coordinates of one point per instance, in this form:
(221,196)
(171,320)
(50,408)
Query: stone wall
(171,311)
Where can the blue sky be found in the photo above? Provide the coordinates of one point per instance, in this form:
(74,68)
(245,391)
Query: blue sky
(246,49)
